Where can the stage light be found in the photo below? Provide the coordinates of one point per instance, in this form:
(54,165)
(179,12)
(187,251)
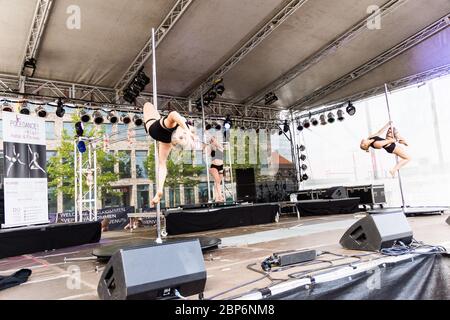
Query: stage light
(218,126)
(98,117)
(125,118)
(198,105)
(351,110)
(6,107)
(79,129)
(227,124)
(300,126)
(24,110)
(129,96)
(208,126)
(302,157)
(257,130)
(112,118)
(219,87)
(41,112)
(270,98)
(286,126)
(280,132)
(304,167)
(85,116)
(306,124)
(302,148)
(314,122)
(305,177)
(211,95)
(81,146)
(323,120)
(137,120)
(60,112)
(340,115)
(331,118)
(29,67)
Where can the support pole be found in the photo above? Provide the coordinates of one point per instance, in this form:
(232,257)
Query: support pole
(75,160)
(155,104)
(386,93)
(294,150)
(206,156)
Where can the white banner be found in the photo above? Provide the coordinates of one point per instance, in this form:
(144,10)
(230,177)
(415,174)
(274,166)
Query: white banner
(25,182)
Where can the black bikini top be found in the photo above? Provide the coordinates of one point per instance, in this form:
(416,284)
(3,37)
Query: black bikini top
(375,139)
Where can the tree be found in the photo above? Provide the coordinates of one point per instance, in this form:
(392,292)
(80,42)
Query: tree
(178,172)
(60,168)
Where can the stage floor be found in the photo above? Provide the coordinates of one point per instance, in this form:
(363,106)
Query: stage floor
(52,276)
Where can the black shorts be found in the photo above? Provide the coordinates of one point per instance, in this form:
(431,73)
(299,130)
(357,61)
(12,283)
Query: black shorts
(218,168)
(160,132)
(390,148)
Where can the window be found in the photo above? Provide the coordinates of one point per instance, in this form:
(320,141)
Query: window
(141,157)
(141,135)
(189,195)
(50,130)
(122,132)
(125,164)
(108,128)
(174,197)
(69,128)
(108,164)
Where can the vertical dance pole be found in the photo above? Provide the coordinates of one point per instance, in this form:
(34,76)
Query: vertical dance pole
(206,156)
(386,93)
(155,104)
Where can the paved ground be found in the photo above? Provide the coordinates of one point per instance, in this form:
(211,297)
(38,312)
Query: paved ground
(227,267)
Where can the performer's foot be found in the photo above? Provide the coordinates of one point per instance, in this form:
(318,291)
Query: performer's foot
(392,172)
(403,142)
(157,198)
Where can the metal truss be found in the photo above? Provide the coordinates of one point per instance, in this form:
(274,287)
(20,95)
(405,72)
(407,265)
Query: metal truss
(394,85)
(386,56)
(37,29)
(101,97)
(330,48)
(254,41)
(169,21)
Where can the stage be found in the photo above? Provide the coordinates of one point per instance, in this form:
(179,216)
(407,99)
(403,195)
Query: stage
(227,267)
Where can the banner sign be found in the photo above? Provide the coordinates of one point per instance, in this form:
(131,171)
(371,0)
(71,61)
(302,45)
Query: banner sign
(25,175)
(117,217)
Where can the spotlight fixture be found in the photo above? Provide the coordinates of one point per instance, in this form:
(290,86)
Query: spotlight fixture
(286,126)
(98,117)
(305,177)
(243,126)
(300,126)
(219,88)
(211,95)
(323,120)
(198,104)
(351,110)
(29,67)
(218,126)
(304,167)
(340,115)
(331,118)
(138,85)
(306,124)
(270,98)
(81,146)
(125,118)
(79,129)
(41,112)
(314,122)
(227,124)
(112,118)
(85,116)
(280,132)
(302,157)
(24,110)
(60,112)
(302,148)
(137,120)
(6,107)
(208,126)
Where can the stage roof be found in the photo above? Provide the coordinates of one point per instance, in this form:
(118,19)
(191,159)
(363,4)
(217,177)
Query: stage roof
(208,33)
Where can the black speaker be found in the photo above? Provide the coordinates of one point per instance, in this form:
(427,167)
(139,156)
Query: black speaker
(376,232)
(154,272)
(245,185)
(336,193)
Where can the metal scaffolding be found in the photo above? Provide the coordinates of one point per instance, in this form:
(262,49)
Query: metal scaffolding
(330,48)
(285,12)
(381,59)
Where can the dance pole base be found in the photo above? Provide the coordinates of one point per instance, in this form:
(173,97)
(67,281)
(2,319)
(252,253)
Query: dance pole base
(105,252)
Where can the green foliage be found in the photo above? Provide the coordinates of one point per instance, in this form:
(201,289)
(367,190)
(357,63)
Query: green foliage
(60,168)
(178,172)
